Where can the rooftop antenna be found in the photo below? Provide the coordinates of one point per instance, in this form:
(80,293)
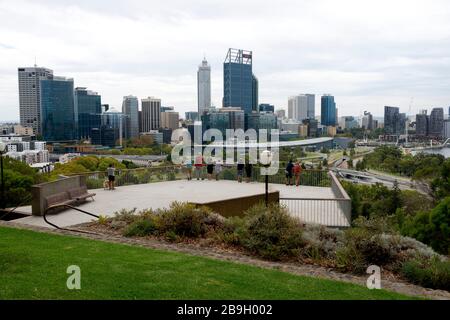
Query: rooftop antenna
(35,63)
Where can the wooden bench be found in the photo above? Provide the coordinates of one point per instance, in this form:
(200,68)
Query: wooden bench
(59,198)
(80,194)
(72,196)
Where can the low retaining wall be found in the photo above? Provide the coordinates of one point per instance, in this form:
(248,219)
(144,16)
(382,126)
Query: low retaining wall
(237,206)
(43,190)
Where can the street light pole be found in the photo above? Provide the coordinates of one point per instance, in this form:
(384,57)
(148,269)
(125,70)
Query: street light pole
(266,159)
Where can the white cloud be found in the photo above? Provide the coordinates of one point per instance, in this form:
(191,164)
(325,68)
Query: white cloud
(366,53)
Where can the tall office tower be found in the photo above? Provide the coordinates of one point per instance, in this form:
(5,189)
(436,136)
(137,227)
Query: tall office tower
(29,96)
(58,114)
(204,87)
(436,122)
(367,121)
(255,90)
(130,108)
(328,110)
(302,107)
(422,123)
(238,80)
(170,119)
(88,106)
(393,121)
(151,114)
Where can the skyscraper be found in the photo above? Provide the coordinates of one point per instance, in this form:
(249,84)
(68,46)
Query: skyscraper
(392,121)
(302,107)
(29,96)
(88,107)
(255,89)
(151,114)
(130,108)
(436,125)
(328,110)
(422,123)
(204,87)
(58,116)
(367,121)
(238,80)
(170,119)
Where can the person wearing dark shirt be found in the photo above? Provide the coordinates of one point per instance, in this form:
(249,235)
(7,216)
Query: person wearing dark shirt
(240,171)
(289,169)
(210,169)
(248,171)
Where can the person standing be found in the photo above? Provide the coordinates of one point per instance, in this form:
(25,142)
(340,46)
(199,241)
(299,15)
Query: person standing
(289,168)
(188,168)
(240,171)
(248,171)
(218,169)
(210,169)
(111,171)
(297,172)
(198,166)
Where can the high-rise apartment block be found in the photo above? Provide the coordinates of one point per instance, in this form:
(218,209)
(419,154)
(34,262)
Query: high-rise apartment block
(170,120)
(302,107)
(30,95)
(151,114)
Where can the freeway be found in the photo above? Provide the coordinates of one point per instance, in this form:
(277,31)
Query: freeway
(371,178)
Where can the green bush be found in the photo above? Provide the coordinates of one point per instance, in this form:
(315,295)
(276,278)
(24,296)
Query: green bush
(432,227)
(271,232)
(433,273)
(186,220)
(141,228)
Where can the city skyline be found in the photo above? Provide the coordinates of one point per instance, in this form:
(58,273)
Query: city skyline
(376,62)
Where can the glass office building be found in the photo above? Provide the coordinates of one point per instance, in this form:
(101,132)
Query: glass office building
(58,115)
(328,110)
(238,80)
(88,105)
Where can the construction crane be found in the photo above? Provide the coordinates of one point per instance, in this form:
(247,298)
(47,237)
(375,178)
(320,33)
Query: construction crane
(407,123)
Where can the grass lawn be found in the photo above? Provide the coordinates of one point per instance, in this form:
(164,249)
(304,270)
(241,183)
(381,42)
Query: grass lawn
(33,266)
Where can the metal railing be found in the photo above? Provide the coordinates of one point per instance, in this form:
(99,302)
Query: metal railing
(57,206)
(328,212)
(96,179)
(332,212)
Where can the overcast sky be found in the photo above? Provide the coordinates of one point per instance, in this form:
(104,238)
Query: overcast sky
(366,53)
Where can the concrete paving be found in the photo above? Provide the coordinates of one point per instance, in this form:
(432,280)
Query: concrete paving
(161,194)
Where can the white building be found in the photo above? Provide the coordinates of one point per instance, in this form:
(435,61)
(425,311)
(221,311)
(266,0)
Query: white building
(204,87)
(30,156)
(30,96)
(290,125)
(151,114)
(301,107)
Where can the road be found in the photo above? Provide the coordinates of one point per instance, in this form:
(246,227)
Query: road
(371,178)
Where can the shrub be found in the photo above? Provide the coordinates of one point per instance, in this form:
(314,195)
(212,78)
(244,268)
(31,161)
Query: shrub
(271,233)
(186,220)
(231,231)
(434,273)
(125,215)
(141,228)
(320,242)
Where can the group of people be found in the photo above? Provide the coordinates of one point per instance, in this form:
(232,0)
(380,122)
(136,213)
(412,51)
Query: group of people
(293,172)
(214,168)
